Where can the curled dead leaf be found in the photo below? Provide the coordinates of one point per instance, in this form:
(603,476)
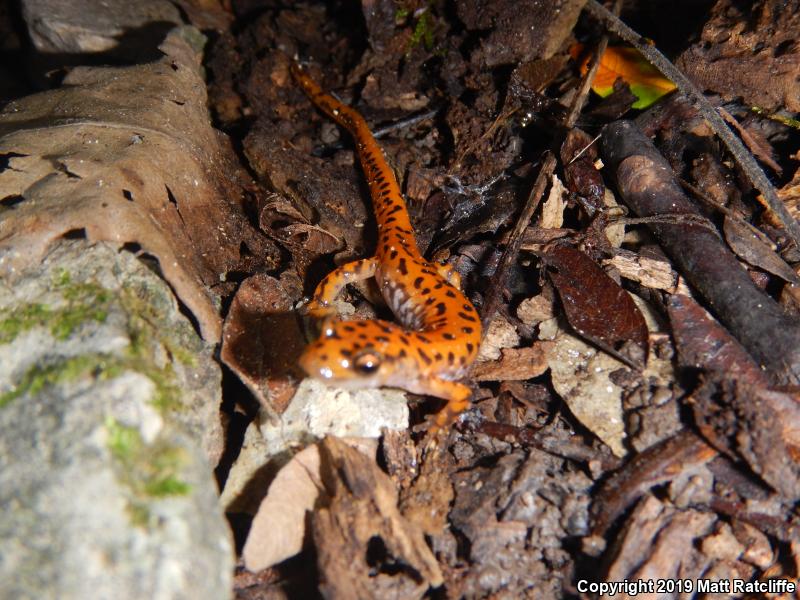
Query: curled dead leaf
(128,156)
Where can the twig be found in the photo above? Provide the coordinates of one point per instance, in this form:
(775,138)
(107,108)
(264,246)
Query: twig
(545,173)
(744,158)
(512,250)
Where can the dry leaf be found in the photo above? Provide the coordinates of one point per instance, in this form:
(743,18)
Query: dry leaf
(279,525)
(596,306)
(262,341)
(750,248)
(618,62)
(128,156)
(581,376)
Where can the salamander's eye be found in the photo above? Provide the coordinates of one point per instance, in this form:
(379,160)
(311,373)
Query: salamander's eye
(367,362)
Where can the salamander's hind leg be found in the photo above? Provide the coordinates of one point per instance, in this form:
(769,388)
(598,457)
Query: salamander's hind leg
(452,276)
(320,306)
(458,399)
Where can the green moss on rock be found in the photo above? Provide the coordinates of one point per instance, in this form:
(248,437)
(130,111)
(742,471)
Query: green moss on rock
(147,327)
(148,471)
(83,302)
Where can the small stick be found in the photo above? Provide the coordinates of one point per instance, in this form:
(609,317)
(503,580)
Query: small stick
(649,187)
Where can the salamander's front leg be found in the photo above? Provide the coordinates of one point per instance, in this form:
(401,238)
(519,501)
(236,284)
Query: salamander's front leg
(329,288)
(458,399)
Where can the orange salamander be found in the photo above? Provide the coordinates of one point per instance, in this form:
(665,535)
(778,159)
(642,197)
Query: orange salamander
(440,331)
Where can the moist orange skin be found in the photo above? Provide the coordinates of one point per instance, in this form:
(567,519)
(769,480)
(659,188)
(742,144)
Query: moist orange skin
(440,331)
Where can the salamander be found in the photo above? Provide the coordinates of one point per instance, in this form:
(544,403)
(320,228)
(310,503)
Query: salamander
(439,330)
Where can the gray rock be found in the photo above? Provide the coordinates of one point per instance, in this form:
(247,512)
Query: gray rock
(107,397)
(121,27)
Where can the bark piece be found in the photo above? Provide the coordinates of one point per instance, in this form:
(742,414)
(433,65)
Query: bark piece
(749,52)
(674,457)
(703,344)
(365,547)
(516,364)
(755,424)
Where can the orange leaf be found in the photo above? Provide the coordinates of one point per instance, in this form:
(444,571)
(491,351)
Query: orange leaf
(645,81)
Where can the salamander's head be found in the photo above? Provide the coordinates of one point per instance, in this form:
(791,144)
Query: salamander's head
(352,354)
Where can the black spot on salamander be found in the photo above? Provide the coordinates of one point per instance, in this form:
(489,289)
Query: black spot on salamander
(404,340)
(323,357)
(402,266)
(385,248)
(345,352)
(393,254)
(402,353)
(385,185)
(349,328)
(462,360)
(428,272)
(438,286)
(390,220)
(450,358)
(388,201)
(423,339)
(384,328)
(418,282)
(437,356)
(430,300)
(468,307)
(466,317)
(382,338)
(448,336)
(470,348)
(395,209)
(441,308)
(425,291)
(450,294)
(362,336)
(361,324)
(467,329)
(425,358)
